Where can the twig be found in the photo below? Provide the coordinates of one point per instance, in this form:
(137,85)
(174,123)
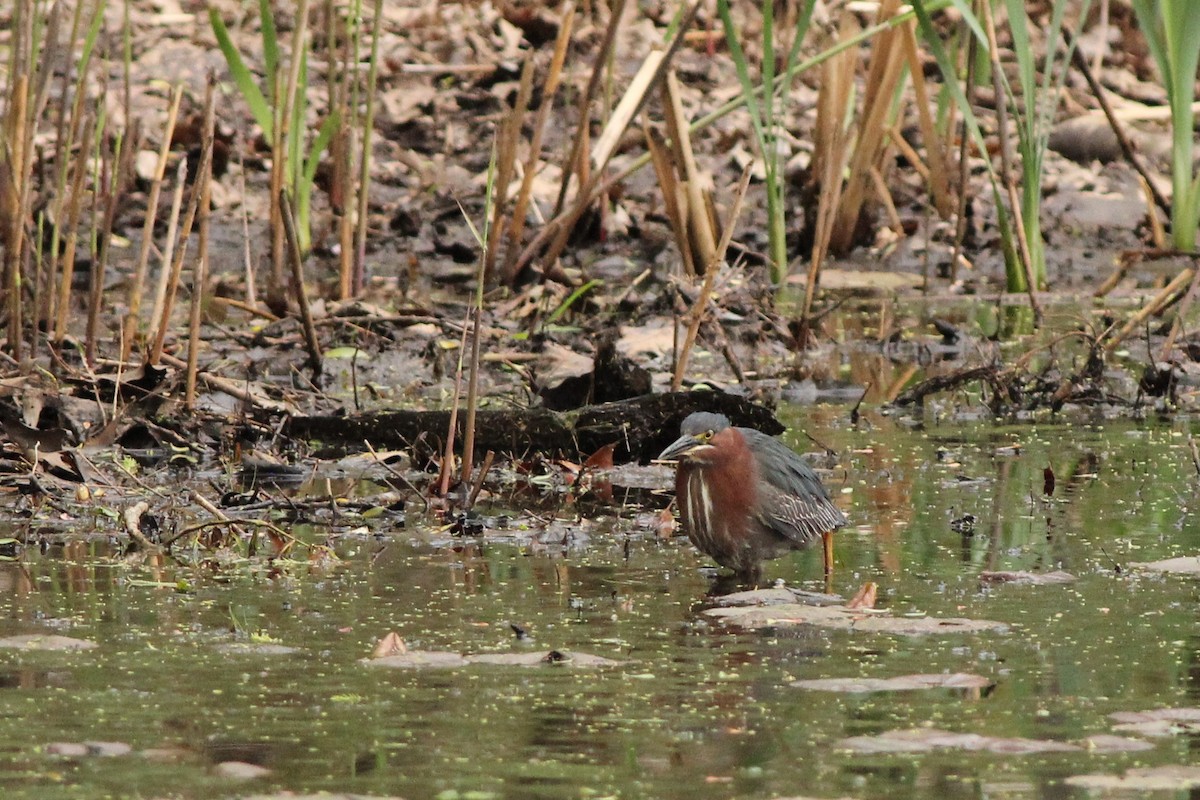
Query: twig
(297,269)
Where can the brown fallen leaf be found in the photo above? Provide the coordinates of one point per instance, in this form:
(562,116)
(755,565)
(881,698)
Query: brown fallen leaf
(864,597)
(389,645)
(666,524)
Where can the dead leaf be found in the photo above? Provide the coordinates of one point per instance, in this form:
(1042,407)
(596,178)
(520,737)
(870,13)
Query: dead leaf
(901,683)
(389,645)
(1171,778)
(864,597)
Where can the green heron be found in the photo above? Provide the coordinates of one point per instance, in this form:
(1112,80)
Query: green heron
(745,496)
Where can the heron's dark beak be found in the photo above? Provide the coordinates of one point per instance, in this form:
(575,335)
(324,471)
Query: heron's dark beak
(681,447)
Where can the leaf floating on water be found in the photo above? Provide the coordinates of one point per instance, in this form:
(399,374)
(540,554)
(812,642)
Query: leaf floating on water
(840,617)
(1183,565)
(922,740)
(1158,721)
(418,659)
(864,597)
(42,641)
(1028,578)
(901,683)
(1145,779)
(389,645)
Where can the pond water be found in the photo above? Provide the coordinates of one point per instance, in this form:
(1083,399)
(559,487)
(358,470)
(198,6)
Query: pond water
(696,709)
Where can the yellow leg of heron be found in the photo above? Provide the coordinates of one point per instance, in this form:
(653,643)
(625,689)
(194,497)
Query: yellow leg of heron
(827,542)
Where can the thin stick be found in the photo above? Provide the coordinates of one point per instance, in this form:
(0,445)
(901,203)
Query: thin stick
(709,276)
(164,270)
(297,270)
(200,269)
(1159,302)
(133,318)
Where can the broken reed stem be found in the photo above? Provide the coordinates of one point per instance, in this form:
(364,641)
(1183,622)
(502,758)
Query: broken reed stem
(709,275)
(506,159)
(1177,324)
(203,188)
(1127,149)
(517,225)
(364,175)
(468,458)
(74,203)
(1006,167)
(133,318)
(164,269)
(488,457)
(576,163)
(938,173)
(702,238)
(1157,304)
(295,261)
(13,201)
(443,485)
(185,233)
(964,160)
(112,201)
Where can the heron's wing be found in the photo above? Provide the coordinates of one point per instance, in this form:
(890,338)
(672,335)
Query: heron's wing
(792,500)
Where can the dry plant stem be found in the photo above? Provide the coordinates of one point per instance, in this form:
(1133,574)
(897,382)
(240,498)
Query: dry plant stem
(1177,325)
(709,275)
(112,202)
(200,268)
(472,397)
(1158,234)
(829,154)
(506,159)
(937,175)
(884,74)
(189,219)
(297,271)
(164,270)
(1157,304)
(133,318)
(232,388)
(247,256)
(964,152)
(15,200)
(452,426)
(673,194)
(517,227)
(488,457)
(1006,167)
(576,163)
(648,76)
(364,175)
(72,228)
(700,224)
(1127,149)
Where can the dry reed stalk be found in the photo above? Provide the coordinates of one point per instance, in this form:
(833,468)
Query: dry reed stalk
(506,160)
(14,195)
(1164,298)
(884,73)
(342,71)
(364,174)
(964,152)
(710,274)
(649,74)
(701,227)
(296,263)
(1177,324)
(576,163)
(937,175)
(112,201)
(472,396)
(447,467)
(284,104)
(189,219)
(830,155)
(549,90)
(136,288)
(203,188)
(673,193)
(1006,167)
(165,277)
(74,203)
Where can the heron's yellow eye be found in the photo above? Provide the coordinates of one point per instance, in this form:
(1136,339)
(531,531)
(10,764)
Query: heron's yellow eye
(704,437)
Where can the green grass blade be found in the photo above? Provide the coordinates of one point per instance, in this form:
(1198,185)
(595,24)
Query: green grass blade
(270,41)
(241,76)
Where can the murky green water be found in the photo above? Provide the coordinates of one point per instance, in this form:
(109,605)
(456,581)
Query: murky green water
(697,710)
